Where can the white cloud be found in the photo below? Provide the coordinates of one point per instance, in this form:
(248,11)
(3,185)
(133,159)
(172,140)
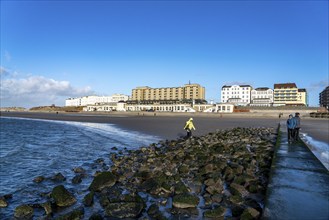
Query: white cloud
(37,91)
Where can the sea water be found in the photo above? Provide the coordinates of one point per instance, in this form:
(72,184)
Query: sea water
(319,149)
(32,147)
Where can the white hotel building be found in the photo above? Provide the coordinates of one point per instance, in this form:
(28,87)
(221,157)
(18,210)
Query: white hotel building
(92,100)
(262,96)
(236,94)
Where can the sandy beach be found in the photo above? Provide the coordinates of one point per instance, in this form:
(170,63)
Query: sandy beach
(170,126)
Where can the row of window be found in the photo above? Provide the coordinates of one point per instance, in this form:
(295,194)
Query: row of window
(165,93)
(275,90)
(261,92)
(261,97)
(224,108)
(235,96)
(262,101)
(236,88)
(160,108)
(235,93)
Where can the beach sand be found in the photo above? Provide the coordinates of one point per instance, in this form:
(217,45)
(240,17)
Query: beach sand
(170,126)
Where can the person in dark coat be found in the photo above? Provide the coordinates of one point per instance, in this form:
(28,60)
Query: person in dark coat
(297,127)
(291,124)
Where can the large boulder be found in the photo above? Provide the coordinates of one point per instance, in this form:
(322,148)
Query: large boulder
(213,187)
(24,212)
(156,185)
(217,213)
(124,209)
(62,196)
(103,180)
(125,206)
(239,190)
(180,188)
(250,214)
(185,200)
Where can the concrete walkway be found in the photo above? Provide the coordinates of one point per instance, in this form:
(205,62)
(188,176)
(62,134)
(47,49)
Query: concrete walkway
(299,184)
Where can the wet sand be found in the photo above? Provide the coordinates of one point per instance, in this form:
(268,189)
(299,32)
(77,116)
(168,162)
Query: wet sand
(171,126)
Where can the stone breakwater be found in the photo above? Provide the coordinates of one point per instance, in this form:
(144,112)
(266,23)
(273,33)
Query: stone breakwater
(221,175)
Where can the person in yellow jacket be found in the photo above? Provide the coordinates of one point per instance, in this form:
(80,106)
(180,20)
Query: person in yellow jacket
(188,127)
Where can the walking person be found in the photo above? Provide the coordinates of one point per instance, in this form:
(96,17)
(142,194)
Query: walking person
(291,124)
(188,127)
(297,126)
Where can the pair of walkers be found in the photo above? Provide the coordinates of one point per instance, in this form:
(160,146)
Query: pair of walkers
(293,125)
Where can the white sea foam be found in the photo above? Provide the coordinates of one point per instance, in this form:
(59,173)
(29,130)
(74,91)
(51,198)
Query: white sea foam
(319,149)
(107,129)
(114,131)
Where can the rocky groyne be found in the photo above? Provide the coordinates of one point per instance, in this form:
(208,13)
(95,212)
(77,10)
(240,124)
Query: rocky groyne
(221,175)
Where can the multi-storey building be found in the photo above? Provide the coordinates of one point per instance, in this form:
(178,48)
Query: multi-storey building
(289,94)
(236,94)
(324,98)
(187,92)
(92,100)
(262,96)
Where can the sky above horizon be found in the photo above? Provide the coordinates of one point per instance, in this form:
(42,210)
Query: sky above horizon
(54,50)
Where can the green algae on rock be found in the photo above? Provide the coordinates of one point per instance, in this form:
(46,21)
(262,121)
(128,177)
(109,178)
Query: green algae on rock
(103,180)
(62,196)
(185,200)
(24,212)
(216,213)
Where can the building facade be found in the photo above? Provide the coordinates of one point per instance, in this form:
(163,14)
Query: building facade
(262,96)
(224,108)
(160,107)
(236,94)
(187,92)
(324,98)
(289,94)
(92,100)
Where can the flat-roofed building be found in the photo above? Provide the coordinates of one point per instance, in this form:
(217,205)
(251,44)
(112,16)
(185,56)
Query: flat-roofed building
(289,94)
(236,94)
(93,99)
(262,96)
(324,98)
(186,92)
(224,108)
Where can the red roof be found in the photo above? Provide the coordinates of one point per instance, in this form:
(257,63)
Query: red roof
(285,85)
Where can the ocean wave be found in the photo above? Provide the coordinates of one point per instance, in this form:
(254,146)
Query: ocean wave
(117,134)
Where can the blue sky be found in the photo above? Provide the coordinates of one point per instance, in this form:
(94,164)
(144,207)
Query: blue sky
(53,50)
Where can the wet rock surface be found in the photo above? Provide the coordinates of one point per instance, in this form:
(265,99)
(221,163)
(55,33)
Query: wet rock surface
(219,175)
(62,197)
(24,212)
(222,175)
